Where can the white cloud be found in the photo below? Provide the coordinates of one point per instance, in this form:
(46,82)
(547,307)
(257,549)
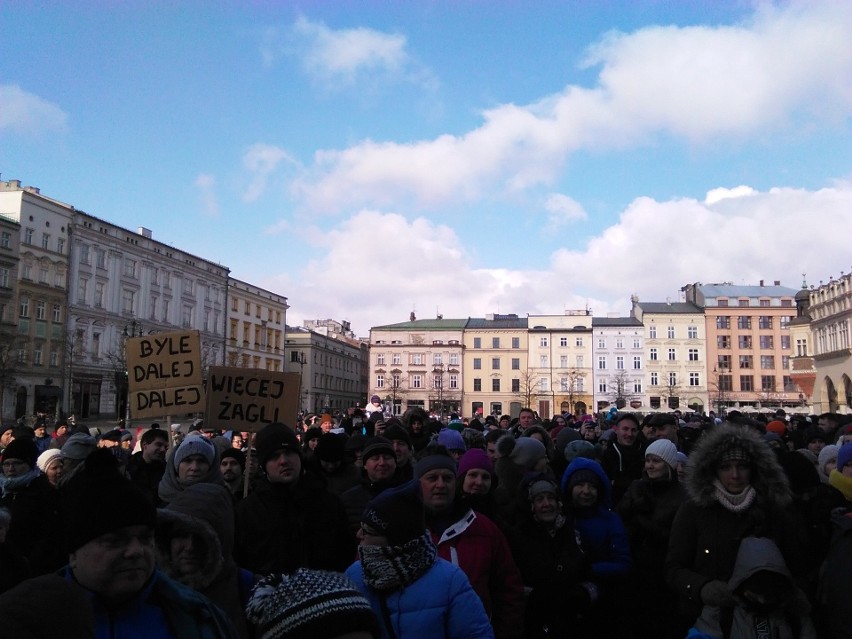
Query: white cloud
(563,210)
(26,113)
(206,185)
(346,52)
(786,67)
(722,193)
(261,160)
(653,250)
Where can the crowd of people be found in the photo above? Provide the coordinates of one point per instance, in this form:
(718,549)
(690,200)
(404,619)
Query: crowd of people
(369,525)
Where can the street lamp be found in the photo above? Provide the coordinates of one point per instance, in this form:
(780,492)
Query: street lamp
(720,391)
(133,329)
(438,371)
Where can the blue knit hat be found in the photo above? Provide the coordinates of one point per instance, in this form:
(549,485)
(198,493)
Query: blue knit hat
(451,440)
(844,456)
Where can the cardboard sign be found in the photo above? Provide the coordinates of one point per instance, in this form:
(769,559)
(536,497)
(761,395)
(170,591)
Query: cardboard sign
(249,399)
(164,374)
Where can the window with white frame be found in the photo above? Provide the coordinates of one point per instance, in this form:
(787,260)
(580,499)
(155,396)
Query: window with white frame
(54,358)
(654,379)
(619,362)
(5,240)
(28,236)
(694,379)
(57,313)
(580,384)
(581,361)
(563,361)
(637,386)
(692,332)
(416,381)
(542,342)
(60,245)
(671,332)
(693,354)
(602,386)
(26,271)
(637,362)
(417,359)
(128,300)
(652,332)
(454,380)
(672,378)
(619,342)
(601,362)
(636,342)
(437,359)
(45,240)
(601,342)
(563,341)
(396,359)
(99,294)
(37,355)
(652,354)
(100,258)
(41,310)
(578,342)
(82,289)
(4,277)
(543,361)
(454,359)
(543,384)
(563,384)
(672,355)
(130,268)
(380,381)
(43,275)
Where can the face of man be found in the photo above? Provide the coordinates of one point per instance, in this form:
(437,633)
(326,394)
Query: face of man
(815,446)
(155,450)
(186,554)
(504,424)
(116,565)
(662,431)
(284,467)
(15,468)
(525,420)
(491,450)
(825,424)
(6,438)
(402,450)
(40,430)
(626,432)
(380,466)
(230,469)
(439,488)
(326,426)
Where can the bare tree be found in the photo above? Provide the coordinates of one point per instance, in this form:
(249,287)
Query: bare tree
(10,344)
(619,389)
(671,391)
(527,387)
(397,387)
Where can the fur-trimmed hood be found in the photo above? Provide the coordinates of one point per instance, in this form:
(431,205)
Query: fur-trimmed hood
(767,476)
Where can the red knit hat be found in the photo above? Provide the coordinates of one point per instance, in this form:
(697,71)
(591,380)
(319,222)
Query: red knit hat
(777,426)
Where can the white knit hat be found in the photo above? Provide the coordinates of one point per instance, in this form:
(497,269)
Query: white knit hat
(663,449)
(44,460)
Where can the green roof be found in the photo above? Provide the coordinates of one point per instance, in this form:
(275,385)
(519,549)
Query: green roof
(425,325)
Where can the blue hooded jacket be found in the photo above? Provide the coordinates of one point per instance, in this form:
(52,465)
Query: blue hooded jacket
(601,530)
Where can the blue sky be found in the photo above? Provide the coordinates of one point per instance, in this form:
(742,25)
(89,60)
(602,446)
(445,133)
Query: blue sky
(369,159)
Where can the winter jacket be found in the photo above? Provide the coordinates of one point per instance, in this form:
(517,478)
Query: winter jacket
(284,527)
(146,476)
(476,545)
(440,604)
(601,530)
(623,465)
(355,499)
(648,509)
(705,536)
(35,520)
(206,511)
(163,609)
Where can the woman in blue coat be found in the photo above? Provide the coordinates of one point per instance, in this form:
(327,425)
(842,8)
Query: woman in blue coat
(413,592)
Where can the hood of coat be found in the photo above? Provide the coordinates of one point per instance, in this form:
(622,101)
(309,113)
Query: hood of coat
(758,554)
(767,476)
(205,510)
(582,463)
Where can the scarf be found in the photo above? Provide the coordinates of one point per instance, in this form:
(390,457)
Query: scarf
(841,482)
(10,485)
(389,568)
(734,503)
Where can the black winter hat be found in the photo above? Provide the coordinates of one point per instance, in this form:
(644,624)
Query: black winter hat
(99,500)
(234,453)
(398,432)
(23,449)
(376,446)
(309,604)
(397,513)
(272,438)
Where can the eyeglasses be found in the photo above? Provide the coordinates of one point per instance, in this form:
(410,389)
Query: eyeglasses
(13,463)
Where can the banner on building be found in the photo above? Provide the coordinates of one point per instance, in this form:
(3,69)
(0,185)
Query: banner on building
(164,374)
(248,399)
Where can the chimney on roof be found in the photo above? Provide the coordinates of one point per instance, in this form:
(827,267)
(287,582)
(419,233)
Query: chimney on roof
(777,282)
(761,283)
(412,317)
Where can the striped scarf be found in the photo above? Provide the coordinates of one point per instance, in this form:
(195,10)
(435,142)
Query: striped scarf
(389,568)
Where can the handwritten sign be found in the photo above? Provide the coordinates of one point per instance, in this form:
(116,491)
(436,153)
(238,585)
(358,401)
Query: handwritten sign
(164,374)
(249,399)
